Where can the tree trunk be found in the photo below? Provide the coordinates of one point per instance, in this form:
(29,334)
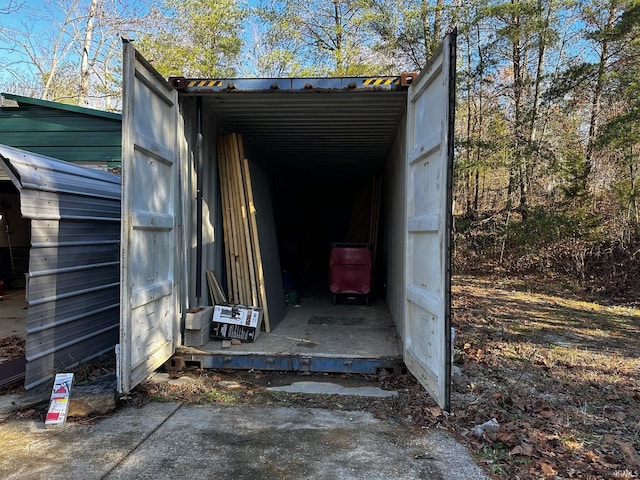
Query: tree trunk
(480,122)
(469,126)
(597,97)
(85,68)
(518,86)
(337,18)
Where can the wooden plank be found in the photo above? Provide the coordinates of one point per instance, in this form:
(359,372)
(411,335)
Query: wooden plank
(212,292)
(242,242)
(233,248)
(232,229)
(255,246)
(235,224)
(376,224)
(262,291)
(217,294)
(372,207)
(226,220)
(250,281)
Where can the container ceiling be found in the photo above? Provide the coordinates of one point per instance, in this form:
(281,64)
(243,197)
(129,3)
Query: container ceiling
(327,130)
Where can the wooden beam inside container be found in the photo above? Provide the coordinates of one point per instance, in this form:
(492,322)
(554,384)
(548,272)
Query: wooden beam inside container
(226,219)
(252,291)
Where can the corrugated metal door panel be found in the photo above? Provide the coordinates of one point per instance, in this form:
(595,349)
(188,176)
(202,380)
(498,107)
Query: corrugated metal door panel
(149,330)
(427,329)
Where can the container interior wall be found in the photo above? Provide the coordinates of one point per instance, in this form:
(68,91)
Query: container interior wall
(394,234)
(211,243)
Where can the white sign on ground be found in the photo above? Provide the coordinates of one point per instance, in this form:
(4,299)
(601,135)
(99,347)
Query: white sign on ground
(59,405)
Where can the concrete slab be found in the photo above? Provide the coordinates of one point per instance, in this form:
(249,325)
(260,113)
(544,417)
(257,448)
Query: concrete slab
(328,388)
(7,404)
(167,440)
(75,450)
(160,377)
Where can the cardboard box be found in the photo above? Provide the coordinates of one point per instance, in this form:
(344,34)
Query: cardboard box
(232,314)
(236,321)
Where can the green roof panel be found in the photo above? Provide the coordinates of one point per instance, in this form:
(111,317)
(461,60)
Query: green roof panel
(66,132)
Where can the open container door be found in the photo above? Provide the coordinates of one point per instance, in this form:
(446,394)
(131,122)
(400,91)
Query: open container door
(149,288)
(430,136)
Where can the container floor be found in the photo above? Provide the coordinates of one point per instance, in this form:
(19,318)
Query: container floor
(314,336)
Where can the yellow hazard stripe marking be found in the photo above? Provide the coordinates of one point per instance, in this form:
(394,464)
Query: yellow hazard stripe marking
(204,83)
(380,81)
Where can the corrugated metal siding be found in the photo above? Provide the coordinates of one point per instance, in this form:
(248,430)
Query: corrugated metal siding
(74,267)
(349,131)
(75,134)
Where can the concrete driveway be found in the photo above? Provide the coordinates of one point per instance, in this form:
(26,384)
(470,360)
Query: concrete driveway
(170,440)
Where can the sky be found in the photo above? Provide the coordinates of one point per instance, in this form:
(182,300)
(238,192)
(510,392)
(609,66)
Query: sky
(38,16)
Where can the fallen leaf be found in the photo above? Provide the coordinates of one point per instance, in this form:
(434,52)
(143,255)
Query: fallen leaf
(522,449)
(628,450)
(547,469)
(573,445)
(435,411)
(591,456)
(609,464)
(506,438)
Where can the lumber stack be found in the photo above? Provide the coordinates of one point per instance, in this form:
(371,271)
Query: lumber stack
(243,258)
(364,224)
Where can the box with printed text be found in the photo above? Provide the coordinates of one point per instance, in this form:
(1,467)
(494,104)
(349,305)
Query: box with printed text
(236,321)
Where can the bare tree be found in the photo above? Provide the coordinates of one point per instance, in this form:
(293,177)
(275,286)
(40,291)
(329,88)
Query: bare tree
(11,6)
(69,47)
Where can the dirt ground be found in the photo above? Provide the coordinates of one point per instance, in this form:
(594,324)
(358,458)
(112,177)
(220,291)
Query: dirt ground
(560,372)
(555,371)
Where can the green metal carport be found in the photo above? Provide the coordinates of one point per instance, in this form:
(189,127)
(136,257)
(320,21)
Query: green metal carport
(49,241)
(84,136)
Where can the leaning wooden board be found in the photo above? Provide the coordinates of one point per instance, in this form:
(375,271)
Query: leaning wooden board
(251,249)
(266,228)
(256,246)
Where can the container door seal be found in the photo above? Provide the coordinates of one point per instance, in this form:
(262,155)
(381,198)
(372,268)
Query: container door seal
(430,136)
(149,281)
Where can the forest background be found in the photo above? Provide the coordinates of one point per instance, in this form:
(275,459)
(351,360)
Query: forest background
(547,172)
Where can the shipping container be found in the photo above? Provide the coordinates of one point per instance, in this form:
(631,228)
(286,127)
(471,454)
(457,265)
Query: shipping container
(311,144)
